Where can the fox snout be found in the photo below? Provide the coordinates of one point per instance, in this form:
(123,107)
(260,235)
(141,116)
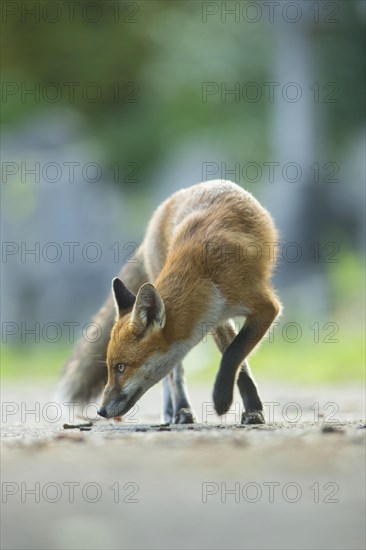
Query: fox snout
(115,404)
(102,411)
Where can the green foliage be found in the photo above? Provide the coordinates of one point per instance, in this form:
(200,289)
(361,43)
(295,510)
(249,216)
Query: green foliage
(168,53)
(32,362)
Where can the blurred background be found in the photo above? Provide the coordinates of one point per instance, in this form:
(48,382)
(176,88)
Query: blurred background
(109,107)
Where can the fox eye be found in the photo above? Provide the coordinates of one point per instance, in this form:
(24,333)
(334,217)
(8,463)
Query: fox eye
(121,367)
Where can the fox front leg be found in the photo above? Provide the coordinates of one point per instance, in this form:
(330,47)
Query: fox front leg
(177,406)
(167,401)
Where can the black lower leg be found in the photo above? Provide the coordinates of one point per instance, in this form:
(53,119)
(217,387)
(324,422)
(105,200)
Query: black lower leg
(232,356)
(248,390)
(255,327)
(252,404)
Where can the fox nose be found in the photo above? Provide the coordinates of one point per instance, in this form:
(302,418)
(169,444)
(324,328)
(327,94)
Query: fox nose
(102,411)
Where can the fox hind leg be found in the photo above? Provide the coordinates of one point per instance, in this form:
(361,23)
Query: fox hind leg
(235,349)
(253,408)
(253,414)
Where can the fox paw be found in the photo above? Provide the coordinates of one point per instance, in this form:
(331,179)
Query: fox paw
(253,417)
(184,416)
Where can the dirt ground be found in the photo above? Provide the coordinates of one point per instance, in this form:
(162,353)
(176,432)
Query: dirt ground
(297,482)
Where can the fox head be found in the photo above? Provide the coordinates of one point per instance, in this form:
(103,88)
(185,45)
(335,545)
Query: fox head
(138,352)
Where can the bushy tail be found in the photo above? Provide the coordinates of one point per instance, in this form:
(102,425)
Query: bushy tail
(85,373)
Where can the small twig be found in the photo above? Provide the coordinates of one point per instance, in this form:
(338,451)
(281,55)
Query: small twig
(74,426)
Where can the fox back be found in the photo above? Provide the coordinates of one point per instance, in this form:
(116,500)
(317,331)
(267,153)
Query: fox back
(215,231)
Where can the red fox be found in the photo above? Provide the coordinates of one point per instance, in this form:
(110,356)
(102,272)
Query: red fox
(208,256)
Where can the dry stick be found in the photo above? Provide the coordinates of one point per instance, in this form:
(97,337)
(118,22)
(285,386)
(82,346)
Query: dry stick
(82,425)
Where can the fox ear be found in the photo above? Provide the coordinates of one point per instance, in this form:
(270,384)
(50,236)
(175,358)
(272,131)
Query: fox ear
(149,309)
(122,297)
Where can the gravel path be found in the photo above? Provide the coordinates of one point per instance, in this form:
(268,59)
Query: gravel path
(298,482)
